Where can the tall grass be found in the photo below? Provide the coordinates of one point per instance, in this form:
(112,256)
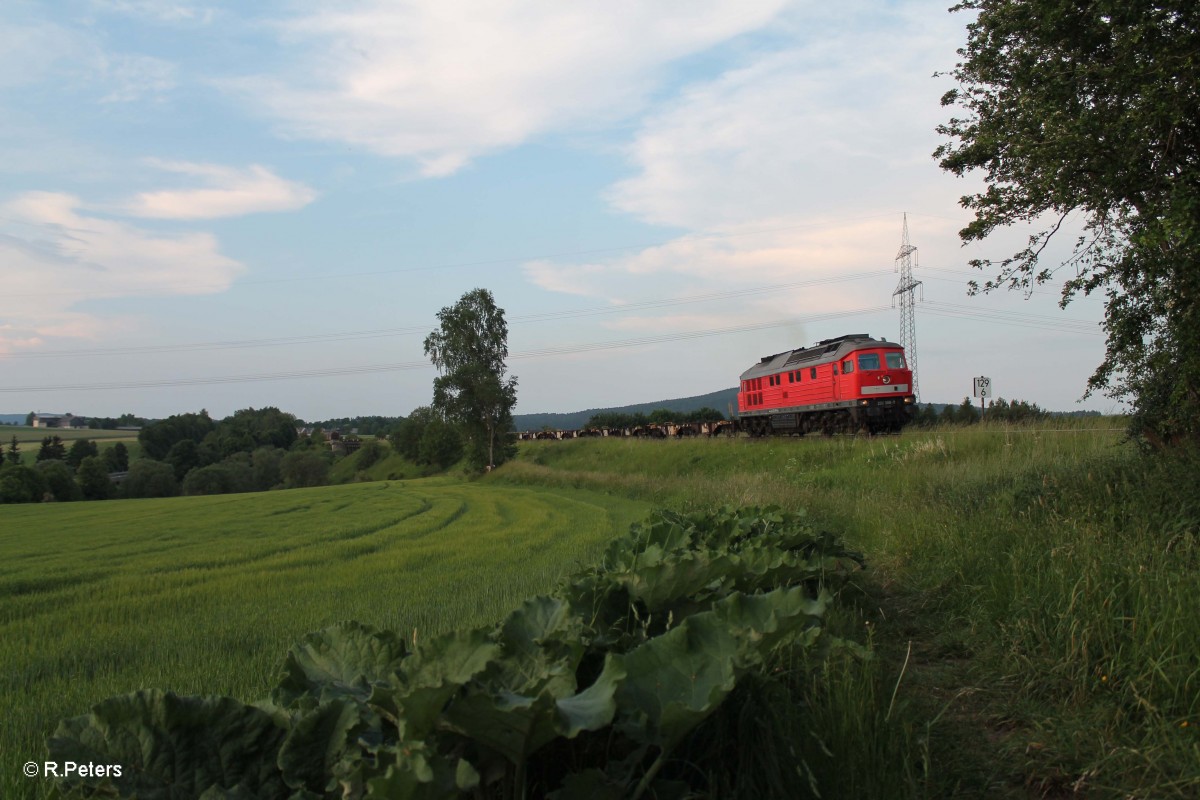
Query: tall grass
(1038,585)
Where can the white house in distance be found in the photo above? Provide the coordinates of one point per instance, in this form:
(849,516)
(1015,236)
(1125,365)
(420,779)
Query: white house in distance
(59,421)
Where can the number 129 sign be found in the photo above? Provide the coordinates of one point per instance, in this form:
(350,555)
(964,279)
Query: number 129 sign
(983,387)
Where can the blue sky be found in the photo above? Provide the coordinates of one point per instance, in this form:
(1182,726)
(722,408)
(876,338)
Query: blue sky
(230,205)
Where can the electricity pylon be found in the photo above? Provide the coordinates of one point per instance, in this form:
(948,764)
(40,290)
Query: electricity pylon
(905,261)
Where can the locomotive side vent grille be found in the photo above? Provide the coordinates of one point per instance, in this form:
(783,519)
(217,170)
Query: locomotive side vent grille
(801,355)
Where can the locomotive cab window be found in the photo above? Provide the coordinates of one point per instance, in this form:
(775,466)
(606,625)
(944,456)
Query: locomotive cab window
(895,360)
(869,361)
(848,366)
(812,373)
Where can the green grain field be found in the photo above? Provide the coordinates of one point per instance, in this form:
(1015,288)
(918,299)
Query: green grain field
(205,595)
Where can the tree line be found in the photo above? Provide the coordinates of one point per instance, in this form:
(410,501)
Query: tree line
(967,413)
(80,472)
(251,450)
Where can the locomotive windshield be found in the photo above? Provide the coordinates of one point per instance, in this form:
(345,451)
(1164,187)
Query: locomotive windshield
(869,361)
(895,361)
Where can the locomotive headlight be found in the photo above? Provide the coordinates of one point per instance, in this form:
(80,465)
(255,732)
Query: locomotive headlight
(864,402)
(908,400)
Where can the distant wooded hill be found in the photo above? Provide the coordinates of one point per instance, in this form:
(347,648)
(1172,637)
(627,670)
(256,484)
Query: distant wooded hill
(720,400)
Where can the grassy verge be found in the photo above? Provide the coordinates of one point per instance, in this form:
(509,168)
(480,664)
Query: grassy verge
(203,595)
(390,467)
(1033,604)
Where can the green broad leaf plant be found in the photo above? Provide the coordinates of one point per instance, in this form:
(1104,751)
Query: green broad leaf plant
(586,692)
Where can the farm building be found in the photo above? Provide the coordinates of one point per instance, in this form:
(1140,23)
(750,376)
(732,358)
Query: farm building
(59,421)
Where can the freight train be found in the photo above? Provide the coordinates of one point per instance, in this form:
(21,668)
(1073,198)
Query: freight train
(849,384)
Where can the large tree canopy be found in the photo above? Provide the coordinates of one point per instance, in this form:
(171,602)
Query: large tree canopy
(469,349)
(1093,108)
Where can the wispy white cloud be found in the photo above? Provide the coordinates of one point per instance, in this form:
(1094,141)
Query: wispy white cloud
(29,52)
(228,192)
(842,119)
(823,262)
(44,51)
(134,77)
(444,82)
(800,160)
(57,256)
(170,11)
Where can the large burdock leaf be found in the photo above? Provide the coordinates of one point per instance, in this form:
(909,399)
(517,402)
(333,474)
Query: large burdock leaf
(342,660)
(511,724)
(319,741)
(542,627)
(418,773)
(678,582)
(762,622)
(433,675)
(675,680)
(171,747)
(541,646)
(595,706)
(516,725)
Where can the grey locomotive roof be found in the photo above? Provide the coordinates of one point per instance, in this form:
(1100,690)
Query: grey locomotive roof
(822,352)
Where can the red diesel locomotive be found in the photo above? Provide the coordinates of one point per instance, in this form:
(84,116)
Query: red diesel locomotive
(848,384)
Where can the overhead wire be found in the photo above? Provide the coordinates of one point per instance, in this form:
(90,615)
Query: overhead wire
(421,329)
(562,350)
(515,320)
(936,308)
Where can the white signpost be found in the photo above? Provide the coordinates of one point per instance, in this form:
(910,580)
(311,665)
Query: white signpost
(983,390)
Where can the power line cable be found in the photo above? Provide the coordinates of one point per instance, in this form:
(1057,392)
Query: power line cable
(943,309)
(403,366)
(1015,318)
(517,320)
(548,316)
